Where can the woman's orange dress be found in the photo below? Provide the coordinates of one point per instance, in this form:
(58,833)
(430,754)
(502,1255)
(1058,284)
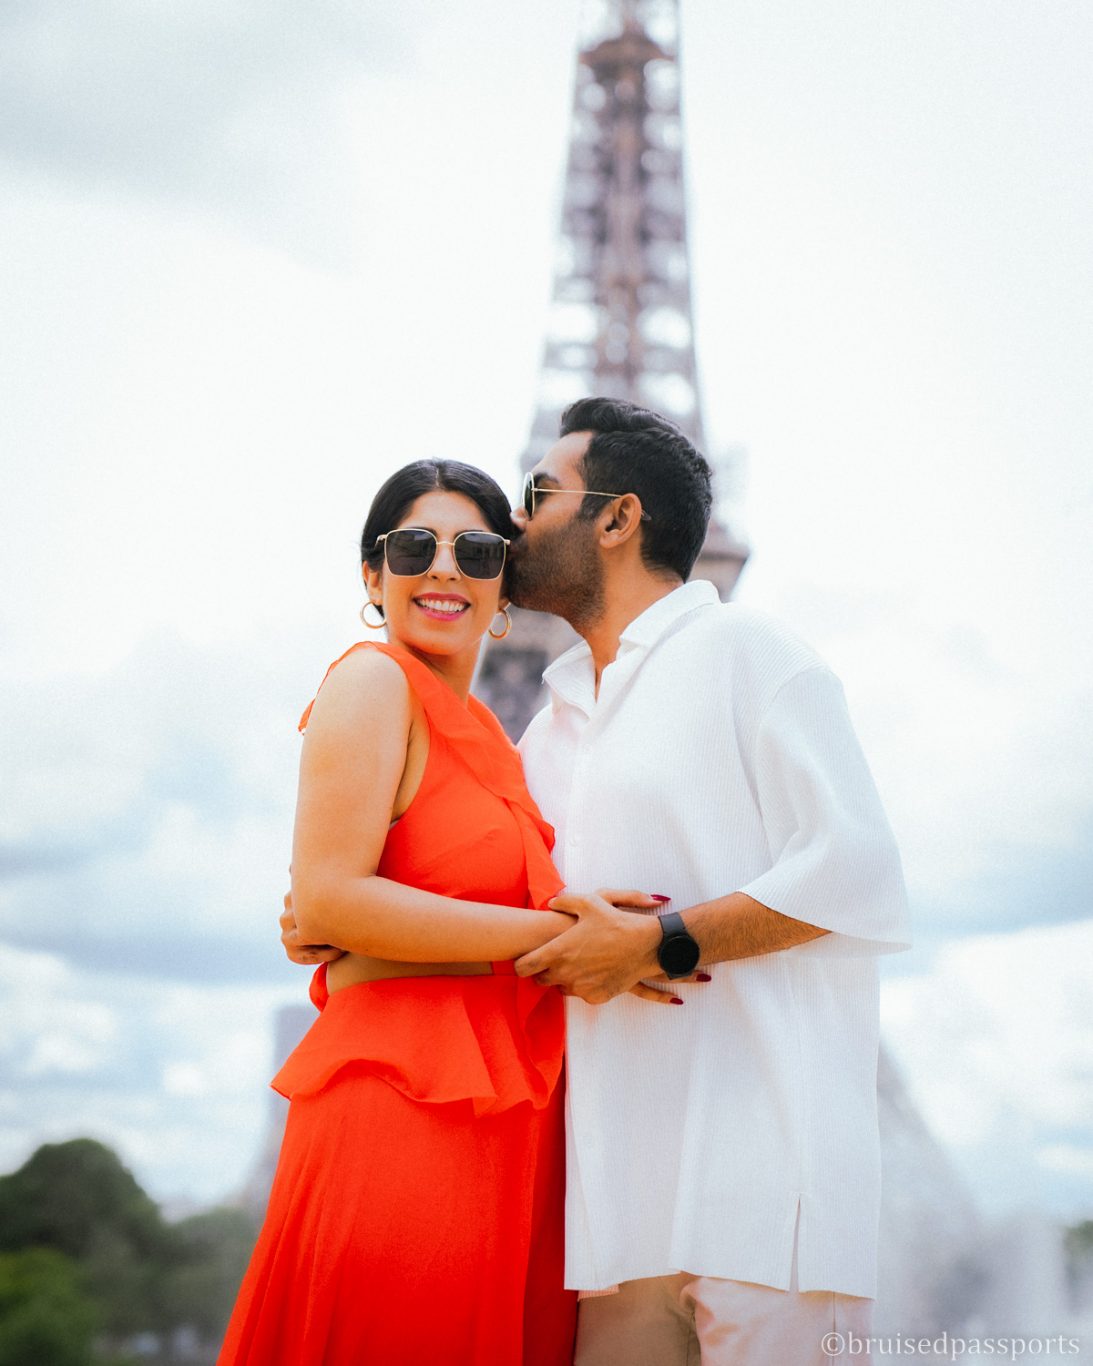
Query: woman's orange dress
(416,1214)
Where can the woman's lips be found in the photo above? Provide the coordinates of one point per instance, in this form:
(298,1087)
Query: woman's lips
(440,607)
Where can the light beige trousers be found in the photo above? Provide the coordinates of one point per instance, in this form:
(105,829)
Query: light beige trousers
(686,1320)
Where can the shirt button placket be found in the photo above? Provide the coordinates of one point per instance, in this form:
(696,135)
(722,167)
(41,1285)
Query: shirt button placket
(576,816)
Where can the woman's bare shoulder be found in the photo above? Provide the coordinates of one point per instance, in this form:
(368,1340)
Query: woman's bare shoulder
(363,683)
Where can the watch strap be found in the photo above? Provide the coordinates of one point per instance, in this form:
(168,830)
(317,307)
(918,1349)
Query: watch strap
(672,923)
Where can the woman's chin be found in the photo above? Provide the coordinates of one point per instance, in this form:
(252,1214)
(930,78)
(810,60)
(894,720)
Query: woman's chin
(440,638)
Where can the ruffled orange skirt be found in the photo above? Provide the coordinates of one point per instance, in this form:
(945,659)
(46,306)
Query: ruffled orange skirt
(416,1216)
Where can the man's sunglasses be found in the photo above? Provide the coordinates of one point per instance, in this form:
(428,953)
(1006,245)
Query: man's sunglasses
(411,550)
(530,490)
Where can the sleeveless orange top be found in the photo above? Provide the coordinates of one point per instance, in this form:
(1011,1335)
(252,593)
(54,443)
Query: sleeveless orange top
(471,832)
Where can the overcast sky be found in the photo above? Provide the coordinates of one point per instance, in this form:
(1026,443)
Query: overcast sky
(257,255)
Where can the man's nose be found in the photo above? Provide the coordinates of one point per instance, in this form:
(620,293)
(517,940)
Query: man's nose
(519,517)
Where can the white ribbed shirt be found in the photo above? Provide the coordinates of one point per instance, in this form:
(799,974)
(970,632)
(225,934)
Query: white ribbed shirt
(719,757)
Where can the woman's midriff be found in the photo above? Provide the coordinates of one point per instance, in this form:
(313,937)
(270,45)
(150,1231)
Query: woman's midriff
(353,968)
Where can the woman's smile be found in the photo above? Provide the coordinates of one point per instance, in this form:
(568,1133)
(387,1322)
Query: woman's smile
(442,606)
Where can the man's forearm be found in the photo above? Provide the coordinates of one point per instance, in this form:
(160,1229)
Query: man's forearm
(610,950)
(738,926)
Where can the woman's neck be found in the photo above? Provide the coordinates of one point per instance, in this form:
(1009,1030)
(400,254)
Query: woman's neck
(454,671)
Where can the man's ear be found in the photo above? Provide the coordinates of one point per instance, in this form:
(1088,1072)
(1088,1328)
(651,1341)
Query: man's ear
(623,520)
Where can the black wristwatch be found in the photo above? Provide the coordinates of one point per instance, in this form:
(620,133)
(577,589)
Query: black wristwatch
(678,953)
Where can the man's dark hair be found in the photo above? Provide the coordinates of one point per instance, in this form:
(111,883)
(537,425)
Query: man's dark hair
(402,490)
(634,450)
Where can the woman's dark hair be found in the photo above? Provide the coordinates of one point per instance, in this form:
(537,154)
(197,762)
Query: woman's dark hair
(406,486)
(634,450)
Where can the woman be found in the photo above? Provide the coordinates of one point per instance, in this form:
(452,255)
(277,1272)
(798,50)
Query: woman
(416,1214)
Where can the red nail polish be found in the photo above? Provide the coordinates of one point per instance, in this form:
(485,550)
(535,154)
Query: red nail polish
(657,897)
(703,977)
(677,1001)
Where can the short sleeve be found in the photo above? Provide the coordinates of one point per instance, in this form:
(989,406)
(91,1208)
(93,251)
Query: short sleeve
(835,861)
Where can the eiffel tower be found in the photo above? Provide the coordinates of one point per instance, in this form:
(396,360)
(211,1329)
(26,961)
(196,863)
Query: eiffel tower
(620,322)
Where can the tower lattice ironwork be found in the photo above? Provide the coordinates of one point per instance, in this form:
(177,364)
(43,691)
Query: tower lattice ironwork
(620,322)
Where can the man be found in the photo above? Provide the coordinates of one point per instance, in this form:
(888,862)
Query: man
(723,1163)
(723,1166)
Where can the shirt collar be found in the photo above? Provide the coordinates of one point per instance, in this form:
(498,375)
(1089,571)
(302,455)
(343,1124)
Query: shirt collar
(647,629)
(571,677)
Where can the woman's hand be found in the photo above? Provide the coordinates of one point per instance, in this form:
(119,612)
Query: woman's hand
(307,955)
(607,952)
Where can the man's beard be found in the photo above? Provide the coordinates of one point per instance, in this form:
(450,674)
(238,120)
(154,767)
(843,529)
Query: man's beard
(562,575)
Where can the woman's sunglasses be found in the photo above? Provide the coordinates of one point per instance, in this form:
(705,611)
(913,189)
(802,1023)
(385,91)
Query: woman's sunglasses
(411,550)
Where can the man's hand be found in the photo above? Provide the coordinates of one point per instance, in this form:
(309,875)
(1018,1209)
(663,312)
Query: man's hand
(305,954)
(607,952)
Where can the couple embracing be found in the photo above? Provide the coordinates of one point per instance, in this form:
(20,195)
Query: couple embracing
(706,1176)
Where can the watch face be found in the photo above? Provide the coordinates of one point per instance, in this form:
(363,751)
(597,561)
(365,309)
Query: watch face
(678,955)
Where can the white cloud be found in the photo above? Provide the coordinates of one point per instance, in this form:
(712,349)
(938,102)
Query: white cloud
(222,106)
(996,1040)
(184,1079)
(44,1032)
(152,828)
(174,1078)
(1069,1160)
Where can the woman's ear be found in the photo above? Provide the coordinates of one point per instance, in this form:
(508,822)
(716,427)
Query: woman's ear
(373,583)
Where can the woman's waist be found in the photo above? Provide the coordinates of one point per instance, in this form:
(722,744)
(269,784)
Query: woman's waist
(355,969)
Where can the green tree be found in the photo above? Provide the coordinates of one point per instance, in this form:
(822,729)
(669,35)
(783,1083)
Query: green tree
(75,1205)
(66,1193)
(78,1199)
(213,1251)
(1079,1263)
(1079,1241)
(46,1319)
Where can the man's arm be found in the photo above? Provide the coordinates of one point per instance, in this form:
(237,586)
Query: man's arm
(608,951)
(738,926)
(833,859)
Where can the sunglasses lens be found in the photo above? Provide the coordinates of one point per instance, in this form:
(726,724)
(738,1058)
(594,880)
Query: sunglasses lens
(528,495)
(410,551)
(480,554)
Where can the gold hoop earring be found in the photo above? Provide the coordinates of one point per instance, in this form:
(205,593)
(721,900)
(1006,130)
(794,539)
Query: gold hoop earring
(373,625)
(500,635)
